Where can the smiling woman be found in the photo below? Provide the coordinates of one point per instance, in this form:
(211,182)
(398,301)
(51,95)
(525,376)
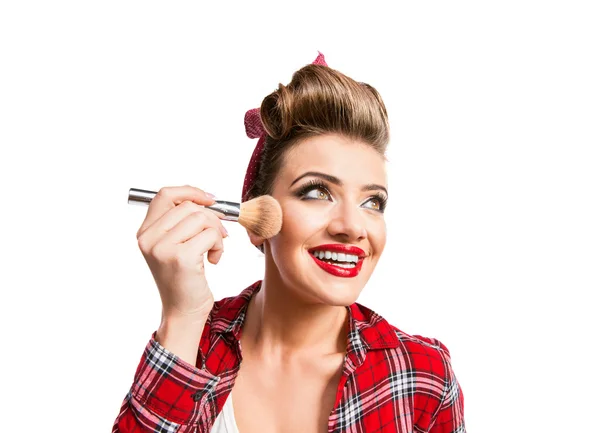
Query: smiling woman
(327,190)
(313,359)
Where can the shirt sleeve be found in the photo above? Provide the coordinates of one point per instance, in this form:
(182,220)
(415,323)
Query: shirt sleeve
(450,415)
(167,395)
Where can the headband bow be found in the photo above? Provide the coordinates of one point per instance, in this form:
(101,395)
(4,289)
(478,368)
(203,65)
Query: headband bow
(255,129)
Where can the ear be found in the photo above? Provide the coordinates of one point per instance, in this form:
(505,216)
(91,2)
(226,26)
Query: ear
(255,239)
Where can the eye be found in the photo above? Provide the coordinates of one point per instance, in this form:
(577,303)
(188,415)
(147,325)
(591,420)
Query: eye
(314,190)
(377,203)
(319,193)
(317,190)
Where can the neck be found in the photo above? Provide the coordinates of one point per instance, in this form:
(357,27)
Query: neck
(280,322)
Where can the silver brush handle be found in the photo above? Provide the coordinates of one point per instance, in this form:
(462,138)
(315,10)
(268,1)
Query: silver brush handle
(229,209)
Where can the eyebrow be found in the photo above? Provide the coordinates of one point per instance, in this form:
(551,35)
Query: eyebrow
(337,181)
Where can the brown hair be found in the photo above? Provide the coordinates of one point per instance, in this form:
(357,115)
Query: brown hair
(318,100)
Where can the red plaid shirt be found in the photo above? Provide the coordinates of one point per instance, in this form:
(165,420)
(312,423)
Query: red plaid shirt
(391,381)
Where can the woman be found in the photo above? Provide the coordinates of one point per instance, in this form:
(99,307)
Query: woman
(314,360)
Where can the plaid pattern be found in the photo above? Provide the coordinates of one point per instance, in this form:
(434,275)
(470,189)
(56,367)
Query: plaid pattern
(391,381)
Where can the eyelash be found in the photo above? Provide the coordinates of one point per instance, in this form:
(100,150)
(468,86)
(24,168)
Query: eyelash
(317,184)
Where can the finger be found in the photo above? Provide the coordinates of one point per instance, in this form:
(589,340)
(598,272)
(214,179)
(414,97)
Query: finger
(169,197)
(209,240)
(171,220)
(191,225)
(149,236)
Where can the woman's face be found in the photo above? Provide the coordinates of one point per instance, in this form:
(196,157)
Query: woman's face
(332,191)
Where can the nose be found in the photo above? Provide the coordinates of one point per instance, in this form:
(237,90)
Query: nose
(347,222)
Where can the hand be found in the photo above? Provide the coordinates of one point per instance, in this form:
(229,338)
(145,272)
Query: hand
(173,238)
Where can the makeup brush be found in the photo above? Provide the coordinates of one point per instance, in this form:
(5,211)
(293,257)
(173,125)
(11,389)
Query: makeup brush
(261,215)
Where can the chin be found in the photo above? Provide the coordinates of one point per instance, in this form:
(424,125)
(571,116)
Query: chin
(336,294)
(340,301)
(317,286)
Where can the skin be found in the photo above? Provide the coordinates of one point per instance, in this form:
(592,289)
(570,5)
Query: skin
(294,337)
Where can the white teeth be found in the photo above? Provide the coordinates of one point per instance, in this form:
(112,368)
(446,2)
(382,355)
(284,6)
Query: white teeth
(346,265)
(339,257)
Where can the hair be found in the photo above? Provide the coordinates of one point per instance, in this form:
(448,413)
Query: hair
(318,100)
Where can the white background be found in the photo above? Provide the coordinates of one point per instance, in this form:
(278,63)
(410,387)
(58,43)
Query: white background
(494,182)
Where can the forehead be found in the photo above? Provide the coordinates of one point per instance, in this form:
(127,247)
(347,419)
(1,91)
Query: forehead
(353,162)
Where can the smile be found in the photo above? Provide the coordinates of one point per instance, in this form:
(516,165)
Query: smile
(339,260)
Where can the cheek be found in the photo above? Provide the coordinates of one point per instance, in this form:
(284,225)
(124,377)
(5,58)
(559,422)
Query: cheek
(292,234)
(379,236)
(300,222)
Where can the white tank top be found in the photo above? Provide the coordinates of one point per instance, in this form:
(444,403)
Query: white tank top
(225,422)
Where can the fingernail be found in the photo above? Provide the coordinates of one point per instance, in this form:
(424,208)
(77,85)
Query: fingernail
(210,195)
(225,234)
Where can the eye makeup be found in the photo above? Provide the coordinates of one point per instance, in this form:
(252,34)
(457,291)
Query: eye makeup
(319,184)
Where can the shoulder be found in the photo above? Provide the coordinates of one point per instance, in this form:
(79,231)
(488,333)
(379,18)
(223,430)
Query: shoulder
(416,353)
(374,328)
(423,366)
(414,367)
(423,363)
(421,344)
(425,353)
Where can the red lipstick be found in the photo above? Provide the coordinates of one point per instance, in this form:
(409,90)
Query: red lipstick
(337,270)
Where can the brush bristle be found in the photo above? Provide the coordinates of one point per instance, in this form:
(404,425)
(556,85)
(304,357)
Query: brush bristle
(261,215)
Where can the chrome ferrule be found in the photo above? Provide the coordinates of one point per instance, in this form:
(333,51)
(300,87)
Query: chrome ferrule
(230,211)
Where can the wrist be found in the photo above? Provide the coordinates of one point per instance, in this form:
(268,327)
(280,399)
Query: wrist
(182,327)
(174,316)
(181,335)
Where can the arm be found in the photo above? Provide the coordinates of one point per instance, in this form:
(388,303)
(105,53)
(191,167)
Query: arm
(450,416)
(167,394)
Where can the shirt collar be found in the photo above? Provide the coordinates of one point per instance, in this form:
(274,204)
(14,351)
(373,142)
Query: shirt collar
(367,331)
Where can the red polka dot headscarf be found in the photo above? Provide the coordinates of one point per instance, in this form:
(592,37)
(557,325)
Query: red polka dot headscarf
(255,129)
